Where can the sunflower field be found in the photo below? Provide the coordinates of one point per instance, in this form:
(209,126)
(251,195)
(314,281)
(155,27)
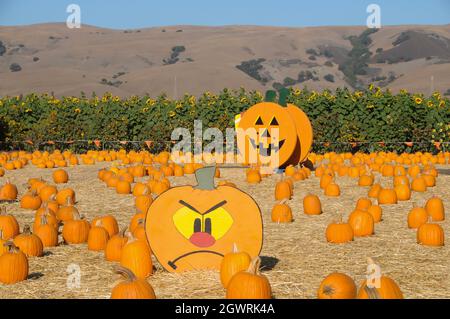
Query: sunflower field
(369,120)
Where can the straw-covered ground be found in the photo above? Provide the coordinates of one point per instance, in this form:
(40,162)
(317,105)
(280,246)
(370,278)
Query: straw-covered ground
(296,256)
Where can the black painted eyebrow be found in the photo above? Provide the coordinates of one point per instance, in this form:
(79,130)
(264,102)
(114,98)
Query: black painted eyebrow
(215,207)
(182,202)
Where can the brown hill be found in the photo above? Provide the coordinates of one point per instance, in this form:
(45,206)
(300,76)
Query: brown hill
(179,59)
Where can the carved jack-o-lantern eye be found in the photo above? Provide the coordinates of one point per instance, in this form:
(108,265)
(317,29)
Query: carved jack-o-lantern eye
(274,121)
(215,221)
(259,121)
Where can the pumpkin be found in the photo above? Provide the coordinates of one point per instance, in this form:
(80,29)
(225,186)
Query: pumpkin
(416,217)
(113,249)
(136,256)
(387,196)
(131,287)
(289,170)
(47,192)
(430,180)
(193,227)
(430,234)
(435,208)
(361,222)
(325,179)
(282,213)
(140,189)
(98,237)
(283,190)
(108,222)
(249,284)
(30,201)
(123,187)
(66,212)
(376,213)
(403,192)
(374,191)
(338,232)
(337,286)
(63,194)
(253,177)
(139,231)
(332,189)
(8,224)
(47,233)
(419,185)
(363,203)
(8,191)
(366,180)
(160,187)
(232,263)
(387,288)
(312,205)
(143,202)
(76,230)
(30,244)
(257,126)
(13,265)
(60,176)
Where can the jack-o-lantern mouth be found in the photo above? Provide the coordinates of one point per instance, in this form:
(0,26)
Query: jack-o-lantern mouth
(267,150)
(172,263)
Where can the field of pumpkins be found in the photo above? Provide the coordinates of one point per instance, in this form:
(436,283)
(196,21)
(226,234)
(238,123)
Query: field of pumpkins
(74,226)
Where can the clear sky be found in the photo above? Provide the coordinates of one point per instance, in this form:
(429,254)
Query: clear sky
(129,14)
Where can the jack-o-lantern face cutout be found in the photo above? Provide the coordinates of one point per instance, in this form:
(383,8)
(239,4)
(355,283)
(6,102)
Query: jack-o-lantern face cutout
(193,227)
(293,137)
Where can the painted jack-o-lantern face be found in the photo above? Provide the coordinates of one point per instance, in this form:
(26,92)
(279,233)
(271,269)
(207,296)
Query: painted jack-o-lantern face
(293,132)
(193,227)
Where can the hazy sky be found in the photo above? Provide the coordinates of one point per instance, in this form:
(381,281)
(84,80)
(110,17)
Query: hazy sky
(121,14)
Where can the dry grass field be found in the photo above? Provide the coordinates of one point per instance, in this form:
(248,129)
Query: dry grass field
(295,256)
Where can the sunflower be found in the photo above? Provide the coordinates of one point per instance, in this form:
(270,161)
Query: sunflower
(441,103)
(418,100)
(430,104)
(172,113)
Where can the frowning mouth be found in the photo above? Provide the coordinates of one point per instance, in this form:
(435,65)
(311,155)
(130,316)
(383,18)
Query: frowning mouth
(172,263)
(267,151)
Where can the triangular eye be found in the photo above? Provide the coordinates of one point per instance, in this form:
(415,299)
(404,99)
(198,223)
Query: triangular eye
(274,121)
(259,121)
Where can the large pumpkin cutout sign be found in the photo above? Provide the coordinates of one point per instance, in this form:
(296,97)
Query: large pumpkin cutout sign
(192,227)
(294,129)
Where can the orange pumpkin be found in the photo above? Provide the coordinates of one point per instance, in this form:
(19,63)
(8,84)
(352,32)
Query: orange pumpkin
(362,223)
(249,284)
(386,288)
(337,286)
(282,213)
(232,263)
(435,208)
(339,232)
(131,287)
(312,205)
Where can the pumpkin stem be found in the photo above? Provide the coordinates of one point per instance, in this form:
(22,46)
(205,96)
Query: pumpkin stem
(126,273)
(235,248)
(254,266)
(271,95)
(205,178)
(1,234)
(26,230)
(11,246)
(372,293)
(43,220)
(283,94)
